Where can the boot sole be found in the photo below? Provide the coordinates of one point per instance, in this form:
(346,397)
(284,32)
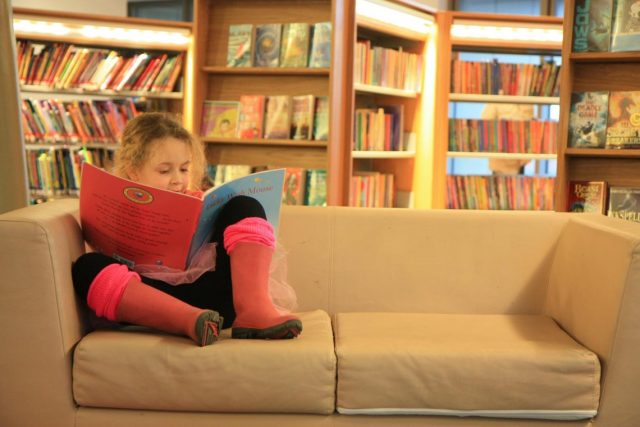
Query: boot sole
(287,330)
(208,327)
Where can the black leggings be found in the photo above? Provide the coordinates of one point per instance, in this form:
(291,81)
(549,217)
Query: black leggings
(210,291)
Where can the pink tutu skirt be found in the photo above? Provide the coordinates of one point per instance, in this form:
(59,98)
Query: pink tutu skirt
(282,294)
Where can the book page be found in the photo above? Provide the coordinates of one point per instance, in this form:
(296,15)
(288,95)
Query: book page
(134,223)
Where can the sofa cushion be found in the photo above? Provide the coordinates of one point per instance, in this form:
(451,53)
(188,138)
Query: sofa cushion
(520,366)
(142,369)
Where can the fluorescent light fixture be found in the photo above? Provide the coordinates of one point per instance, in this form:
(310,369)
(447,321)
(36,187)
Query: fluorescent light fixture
(115,33)
(391,14)
(508,31)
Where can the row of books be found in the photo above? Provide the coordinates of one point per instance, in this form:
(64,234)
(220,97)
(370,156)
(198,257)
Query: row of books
(280,45)
(302,117)
(57,172)
(54,121)
(379,129)
(503,136)
(379,66)
(606,25)
(494,78)
(500,192)
(605,119)
(301,186)
(65,66)
(597,197)
(372,190)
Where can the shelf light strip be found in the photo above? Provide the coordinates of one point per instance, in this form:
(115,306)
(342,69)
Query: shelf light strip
(391,14)
(494,32)
(112,33)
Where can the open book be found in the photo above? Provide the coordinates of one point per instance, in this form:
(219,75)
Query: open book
(138,224)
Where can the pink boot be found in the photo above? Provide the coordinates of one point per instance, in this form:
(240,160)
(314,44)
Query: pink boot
(119,295)
(250,246)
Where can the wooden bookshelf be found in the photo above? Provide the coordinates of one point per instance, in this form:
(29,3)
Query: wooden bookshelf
(215,81)
(485,37)
(127,35)
(410,189)
(584,72)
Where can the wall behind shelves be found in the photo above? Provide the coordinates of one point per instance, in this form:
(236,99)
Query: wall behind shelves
(13,180)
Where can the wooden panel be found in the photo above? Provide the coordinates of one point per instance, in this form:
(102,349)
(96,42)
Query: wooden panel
(223,13)
(231,87)
(609,76)
(616,171)
(272,156)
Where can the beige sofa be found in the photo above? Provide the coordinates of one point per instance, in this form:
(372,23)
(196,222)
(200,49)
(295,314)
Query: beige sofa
(425,318)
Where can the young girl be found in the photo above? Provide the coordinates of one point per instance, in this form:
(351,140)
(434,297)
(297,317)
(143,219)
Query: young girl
(159,152)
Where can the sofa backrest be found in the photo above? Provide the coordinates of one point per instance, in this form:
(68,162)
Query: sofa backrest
(353,259)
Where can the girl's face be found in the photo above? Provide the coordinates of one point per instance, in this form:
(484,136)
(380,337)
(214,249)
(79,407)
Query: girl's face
(167,167)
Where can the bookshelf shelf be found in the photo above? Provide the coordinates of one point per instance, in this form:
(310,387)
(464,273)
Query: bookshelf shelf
(383,154)
(266,71)
(605,57)
(68,145)
(267,142)
(509,99)
(45,92)
(523,156)
(602,152)
(381,90)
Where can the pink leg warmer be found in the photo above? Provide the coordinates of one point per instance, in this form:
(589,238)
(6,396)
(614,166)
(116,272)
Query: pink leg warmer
(107,289)
(249,230)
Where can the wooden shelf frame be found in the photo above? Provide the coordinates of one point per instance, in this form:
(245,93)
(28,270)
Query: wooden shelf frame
(593,71)
(267,71)
(449,43)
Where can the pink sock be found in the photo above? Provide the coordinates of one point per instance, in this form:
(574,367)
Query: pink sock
(107,289)
(249,230)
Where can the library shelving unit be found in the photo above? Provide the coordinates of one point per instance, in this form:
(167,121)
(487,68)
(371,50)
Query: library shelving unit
(57,174)
(215,81)
(587,72)
(388,32)
(484,33)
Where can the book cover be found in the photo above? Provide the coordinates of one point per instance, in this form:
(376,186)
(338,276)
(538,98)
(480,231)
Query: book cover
(320,55)
(624,203)
(625,33)
(588,119)
(294,51)
(220,119)
(303,107)
(321,119)
(592,25)
(316,191)
(251,119)
(277,119)
(295,182)
(239,45)
(267,51)
(587,196)
(623,122)
(396,127)
(142,225)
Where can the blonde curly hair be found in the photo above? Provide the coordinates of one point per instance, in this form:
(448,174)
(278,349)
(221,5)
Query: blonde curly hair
(139,136)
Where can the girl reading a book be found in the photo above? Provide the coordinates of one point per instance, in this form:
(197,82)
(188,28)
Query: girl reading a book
(231,289)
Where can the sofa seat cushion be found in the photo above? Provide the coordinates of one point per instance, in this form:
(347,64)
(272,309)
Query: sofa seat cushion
(143,369)
(520,366)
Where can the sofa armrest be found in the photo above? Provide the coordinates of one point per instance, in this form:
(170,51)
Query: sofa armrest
(41,320)
(594,292)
